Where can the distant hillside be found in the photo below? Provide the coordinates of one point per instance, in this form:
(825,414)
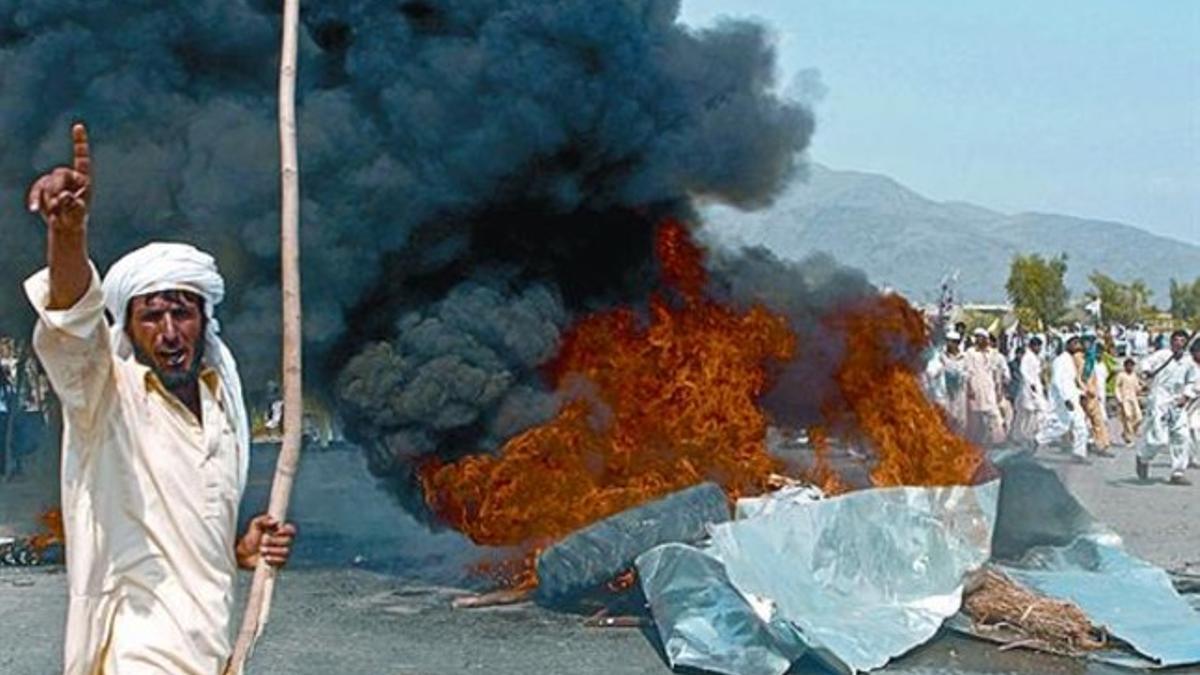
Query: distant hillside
(904,240)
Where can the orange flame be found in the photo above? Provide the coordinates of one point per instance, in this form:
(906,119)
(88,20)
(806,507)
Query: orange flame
(658,403)
(652,405)
(881,401)
(822,473)
(52,533)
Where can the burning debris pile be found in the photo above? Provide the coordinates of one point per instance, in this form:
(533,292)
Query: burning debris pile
(650,407)
(654,404)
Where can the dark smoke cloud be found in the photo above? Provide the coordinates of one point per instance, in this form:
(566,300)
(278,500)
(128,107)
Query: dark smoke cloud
(464,363)
(415,118)
(475,174)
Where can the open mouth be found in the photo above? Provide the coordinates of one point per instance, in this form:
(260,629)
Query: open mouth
(173,359)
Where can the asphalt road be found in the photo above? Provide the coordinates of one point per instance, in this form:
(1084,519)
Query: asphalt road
(371,587)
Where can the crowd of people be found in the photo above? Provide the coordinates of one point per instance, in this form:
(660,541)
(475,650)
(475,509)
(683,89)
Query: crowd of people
(1034,390)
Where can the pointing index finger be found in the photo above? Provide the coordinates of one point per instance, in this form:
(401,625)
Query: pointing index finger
(83,160)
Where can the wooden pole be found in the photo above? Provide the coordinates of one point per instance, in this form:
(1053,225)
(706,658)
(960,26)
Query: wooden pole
(258,606)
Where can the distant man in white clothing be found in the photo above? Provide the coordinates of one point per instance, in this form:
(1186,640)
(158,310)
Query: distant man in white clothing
(1066,414)
(1174,382)
(1031,405)
(985,426)
(956,387)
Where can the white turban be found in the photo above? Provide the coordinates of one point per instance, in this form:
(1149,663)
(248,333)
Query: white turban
(180,267)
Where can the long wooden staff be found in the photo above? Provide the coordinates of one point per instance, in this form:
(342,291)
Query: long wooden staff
(258,606)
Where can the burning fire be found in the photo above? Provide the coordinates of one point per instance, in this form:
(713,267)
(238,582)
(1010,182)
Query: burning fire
(822,472)
(653,405)
(52,532)
(880,399)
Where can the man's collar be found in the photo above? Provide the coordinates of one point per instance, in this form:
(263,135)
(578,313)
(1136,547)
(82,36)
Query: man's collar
(151,381)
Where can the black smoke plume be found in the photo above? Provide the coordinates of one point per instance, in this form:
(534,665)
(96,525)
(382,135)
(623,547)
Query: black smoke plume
(475,174)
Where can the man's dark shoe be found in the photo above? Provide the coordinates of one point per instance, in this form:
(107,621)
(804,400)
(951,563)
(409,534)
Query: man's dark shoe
(1143,469)
(1103,452)
(1178,479)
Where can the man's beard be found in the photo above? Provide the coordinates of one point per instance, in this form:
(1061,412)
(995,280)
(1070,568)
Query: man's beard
(174,379)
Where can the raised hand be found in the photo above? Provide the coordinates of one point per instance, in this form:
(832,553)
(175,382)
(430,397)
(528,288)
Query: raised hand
(62,195)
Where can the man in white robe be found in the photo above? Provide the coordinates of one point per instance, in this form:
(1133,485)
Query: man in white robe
(1066,414)
(933,377)
(956,388)
(155,445)
(985,426)
(1174,384)
(1031,405)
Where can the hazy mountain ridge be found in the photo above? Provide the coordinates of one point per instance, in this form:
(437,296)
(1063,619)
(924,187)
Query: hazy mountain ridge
(909,242)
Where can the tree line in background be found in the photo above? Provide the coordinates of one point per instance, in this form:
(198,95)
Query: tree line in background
(1038,291)
(1185,300)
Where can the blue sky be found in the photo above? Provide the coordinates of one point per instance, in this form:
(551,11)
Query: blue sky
(1083,107)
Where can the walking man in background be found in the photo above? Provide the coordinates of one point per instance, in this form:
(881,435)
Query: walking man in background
(1066,402)
(1173,386)
(956,386)
(1126,389)
(1003,377)
(1031,399)
(984,423)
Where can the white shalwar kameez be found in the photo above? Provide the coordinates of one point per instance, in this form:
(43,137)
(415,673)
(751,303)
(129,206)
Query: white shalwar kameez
(1061,420)
(149,492)
(933,378)
(1031,404)
(1166,424)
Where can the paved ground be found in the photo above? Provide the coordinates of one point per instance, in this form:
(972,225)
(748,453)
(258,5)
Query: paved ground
(1158,521)
(370,591)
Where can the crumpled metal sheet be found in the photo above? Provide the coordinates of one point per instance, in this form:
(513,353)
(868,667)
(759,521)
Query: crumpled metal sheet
(1080,560)
(704,622)
(856,579)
